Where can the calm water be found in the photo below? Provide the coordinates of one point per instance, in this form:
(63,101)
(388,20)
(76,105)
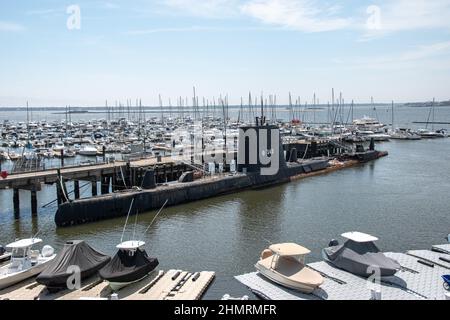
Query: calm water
(403,199)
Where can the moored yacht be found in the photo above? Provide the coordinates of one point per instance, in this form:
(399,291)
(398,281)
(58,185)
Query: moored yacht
(368,124)
(88,150)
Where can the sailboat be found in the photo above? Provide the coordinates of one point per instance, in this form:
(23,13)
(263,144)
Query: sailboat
(131,262)
(431,134)
(25,262)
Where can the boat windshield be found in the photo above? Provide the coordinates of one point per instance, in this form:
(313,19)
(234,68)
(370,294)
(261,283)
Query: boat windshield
(19,253)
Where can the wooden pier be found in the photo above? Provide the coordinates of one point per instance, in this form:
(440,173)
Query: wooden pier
(112,176)
(159,285)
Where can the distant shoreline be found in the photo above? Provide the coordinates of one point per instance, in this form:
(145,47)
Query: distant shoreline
(98,109)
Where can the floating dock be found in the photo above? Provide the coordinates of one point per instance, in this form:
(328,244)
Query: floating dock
(416,280)
(159,285)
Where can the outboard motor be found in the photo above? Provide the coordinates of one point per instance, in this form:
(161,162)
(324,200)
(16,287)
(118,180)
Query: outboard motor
(333,243)
(2,250)
(47,251)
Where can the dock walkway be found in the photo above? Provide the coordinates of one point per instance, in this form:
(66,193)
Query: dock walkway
(159,285)
(416,281)
(27,179)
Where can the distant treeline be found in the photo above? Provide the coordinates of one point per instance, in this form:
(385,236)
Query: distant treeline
(428,104)
(122,108)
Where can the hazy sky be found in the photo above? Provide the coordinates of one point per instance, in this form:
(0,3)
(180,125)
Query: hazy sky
(118,50)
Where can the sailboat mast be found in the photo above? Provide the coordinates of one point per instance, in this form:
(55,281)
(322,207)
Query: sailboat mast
(393,128)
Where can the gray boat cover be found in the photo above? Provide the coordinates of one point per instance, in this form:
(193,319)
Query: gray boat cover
(74,253)
(357,257)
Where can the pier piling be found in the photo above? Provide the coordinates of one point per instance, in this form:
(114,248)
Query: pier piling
(16,203)
(62,158)
(33,202)
(105,184)
(76,189)
(94,188)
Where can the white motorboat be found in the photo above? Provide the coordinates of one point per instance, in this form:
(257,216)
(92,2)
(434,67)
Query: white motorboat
(88,150)
(284,264)
(59,146)
(25,262)
(428,134)
(368,124)
(404,134)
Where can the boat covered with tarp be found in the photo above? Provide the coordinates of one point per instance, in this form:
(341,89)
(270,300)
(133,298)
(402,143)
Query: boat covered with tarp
(75,254)
(130,264)
(360,255)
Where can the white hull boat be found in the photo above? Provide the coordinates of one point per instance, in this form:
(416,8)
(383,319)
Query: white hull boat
(116,286)
(88,151)
(285,264)
(25,263)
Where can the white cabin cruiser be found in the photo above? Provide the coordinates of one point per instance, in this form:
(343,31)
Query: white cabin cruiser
(25,262)
(88,150)
(284,264)
(368,124)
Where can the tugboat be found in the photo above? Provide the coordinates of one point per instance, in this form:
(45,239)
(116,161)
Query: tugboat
(359,255)
(284,263)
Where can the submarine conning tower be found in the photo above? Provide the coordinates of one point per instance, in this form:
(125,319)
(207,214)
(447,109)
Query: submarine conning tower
(260,148)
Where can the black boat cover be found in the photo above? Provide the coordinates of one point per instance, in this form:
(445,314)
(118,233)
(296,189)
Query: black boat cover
(357,257)
(74,253)
(128,268)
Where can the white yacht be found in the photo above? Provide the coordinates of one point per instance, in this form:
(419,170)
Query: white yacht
(404,134)
(25,262)
(368,124)
(88,150)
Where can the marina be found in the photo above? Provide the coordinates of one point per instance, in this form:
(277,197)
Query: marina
(224,158)
(147,179)
(306,156)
